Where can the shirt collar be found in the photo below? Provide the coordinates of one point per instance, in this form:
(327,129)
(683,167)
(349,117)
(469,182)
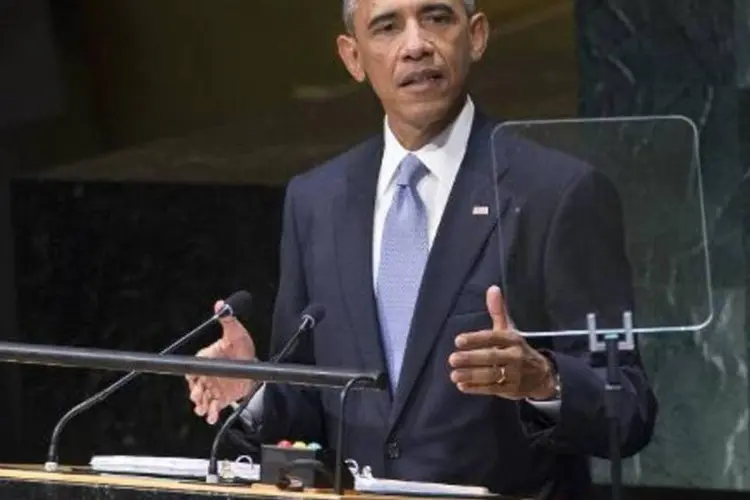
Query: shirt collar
(442,155)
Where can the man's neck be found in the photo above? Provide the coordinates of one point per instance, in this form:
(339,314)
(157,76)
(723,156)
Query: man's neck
(413,137)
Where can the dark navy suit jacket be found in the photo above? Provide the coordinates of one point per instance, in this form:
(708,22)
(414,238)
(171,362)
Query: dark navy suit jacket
(559,225)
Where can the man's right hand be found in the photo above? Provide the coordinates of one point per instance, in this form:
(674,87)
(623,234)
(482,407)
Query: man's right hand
(210,395)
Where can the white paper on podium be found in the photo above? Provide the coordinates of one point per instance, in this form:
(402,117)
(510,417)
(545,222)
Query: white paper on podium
(242,468)
(417,488)
(364,482)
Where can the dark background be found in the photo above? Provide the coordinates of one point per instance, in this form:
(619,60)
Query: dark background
(144,146)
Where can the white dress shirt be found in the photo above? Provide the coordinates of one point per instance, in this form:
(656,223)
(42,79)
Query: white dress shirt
(442,156)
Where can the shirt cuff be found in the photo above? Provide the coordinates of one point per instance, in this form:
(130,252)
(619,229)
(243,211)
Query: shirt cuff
(550,407)
(252,415)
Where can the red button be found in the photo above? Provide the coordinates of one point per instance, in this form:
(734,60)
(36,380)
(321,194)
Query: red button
(284,444)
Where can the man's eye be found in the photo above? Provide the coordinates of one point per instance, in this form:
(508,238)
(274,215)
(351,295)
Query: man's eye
(385,28)
(440,18)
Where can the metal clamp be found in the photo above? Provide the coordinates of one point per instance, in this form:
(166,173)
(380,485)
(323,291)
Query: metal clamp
(626,338)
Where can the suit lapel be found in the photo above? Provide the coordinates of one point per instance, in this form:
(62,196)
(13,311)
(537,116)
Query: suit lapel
(461,237)
(353,233)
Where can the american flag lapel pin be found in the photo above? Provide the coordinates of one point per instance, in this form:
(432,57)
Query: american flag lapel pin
(480,210)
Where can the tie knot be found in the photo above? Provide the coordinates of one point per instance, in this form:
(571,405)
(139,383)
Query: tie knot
(410,171)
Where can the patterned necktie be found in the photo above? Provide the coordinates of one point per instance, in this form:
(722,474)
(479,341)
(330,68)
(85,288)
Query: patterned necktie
(403,254)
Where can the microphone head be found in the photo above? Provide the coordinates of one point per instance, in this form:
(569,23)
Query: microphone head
(239,304)
(315,313)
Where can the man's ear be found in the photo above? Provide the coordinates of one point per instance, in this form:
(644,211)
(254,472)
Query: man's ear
(479,34)
(349,54)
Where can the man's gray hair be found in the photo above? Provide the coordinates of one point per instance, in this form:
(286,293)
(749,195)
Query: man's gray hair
(351,5)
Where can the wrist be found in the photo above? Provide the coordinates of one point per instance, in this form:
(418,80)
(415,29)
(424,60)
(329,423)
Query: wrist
(550,387)
(251,389)
(248,387)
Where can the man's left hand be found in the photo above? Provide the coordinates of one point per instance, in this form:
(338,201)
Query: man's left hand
(499,362)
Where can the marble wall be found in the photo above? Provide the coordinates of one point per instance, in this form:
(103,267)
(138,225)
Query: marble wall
(679,57)
(742,36)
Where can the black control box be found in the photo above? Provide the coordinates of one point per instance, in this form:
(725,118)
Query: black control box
(286,466)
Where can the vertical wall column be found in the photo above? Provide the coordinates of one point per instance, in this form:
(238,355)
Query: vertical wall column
(742,43)
(660,57)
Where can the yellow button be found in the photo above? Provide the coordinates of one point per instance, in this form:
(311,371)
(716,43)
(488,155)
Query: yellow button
(300,444)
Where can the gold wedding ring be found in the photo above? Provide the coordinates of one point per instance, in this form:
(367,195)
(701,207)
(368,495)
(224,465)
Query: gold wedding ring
(502,378)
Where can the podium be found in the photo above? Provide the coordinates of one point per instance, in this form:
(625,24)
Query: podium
(31,482)
(22,482)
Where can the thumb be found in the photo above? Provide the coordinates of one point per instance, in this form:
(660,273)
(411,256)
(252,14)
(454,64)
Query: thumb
(230,325)
(496,308)
(218,305)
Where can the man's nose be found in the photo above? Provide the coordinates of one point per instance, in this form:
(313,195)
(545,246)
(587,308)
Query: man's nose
(416,44)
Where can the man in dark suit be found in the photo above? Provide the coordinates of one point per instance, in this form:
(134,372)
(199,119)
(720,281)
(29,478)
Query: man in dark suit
(388,238)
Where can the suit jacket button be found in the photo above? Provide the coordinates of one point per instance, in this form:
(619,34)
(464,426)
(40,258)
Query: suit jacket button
(392,450)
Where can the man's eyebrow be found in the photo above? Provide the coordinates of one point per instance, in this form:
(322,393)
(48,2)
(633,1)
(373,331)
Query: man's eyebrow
(429,8)
(436,7)
(381,18)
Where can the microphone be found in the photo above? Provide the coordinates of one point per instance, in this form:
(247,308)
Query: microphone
(237,304)
(311,316)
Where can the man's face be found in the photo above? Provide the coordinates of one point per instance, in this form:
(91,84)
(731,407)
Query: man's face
(416,54)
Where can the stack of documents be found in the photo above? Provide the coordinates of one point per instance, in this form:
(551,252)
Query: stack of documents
(364,482)
(416,488)
(242,468)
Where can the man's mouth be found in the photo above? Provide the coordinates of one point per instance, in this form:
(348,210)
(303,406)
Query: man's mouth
(425,78)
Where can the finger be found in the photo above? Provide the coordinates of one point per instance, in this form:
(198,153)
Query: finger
(226,320)
(479,389)
(488,357)
(218,305)
(476,340)
(205,401)
(477,376)
(216,388)
(199,408)
(496,308)
(232,330)
(502,391)
(213,412)
(213,351)
(486,338)
(490,390)
(196,392)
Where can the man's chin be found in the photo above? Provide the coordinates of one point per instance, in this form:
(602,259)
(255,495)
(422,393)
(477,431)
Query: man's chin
(423,114)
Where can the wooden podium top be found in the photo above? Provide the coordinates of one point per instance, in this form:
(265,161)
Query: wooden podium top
(79,477)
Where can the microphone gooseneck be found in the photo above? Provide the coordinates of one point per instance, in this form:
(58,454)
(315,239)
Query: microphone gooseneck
(239,303)
(311,316)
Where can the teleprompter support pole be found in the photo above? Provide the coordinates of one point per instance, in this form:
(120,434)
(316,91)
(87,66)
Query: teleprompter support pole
(612,345)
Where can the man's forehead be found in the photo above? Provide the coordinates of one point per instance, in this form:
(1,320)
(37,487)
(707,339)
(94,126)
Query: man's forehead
(372,8)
